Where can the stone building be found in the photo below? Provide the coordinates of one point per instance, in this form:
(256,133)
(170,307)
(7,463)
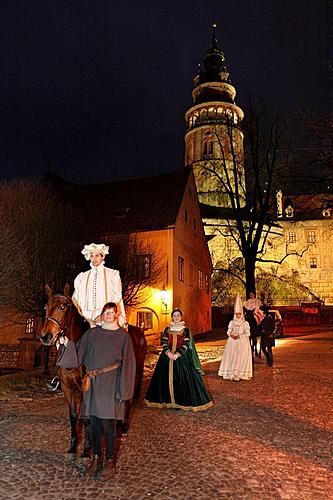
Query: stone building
(214,146)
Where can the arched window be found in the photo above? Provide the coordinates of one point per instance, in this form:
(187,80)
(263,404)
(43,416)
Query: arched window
(207,146)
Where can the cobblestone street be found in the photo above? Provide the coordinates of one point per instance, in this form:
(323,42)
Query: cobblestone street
(268,438)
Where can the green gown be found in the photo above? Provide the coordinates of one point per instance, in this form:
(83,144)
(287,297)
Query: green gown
(177,384)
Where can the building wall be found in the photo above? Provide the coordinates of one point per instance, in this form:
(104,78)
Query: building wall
(192,296)
(151,297)
(319,280)
(187,241)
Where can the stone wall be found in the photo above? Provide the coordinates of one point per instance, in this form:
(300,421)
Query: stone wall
(9,356)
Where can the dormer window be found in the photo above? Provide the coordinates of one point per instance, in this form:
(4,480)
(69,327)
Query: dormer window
(327,212)
(121,212)
(289,211)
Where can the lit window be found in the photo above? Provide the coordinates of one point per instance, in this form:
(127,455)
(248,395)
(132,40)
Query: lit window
(181,268)
(143,266)
(29,325)
(200,278)
(289,211)
(313,262)
(311,237)
(327,212)
(292,237)
(144,320)
(207,150)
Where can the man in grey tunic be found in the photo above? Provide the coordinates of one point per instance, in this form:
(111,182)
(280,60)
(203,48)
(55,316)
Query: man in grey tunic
(108,355)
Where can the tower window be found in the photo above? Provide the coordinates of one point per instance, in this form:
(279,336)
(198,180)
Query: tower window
(207,147)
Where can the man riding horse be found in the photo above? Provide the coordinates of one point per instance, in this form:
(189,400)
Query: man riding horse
(93,289)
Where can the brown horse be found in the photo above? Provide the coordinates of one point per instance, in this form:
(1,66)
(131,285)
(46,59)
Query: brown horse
(62,318)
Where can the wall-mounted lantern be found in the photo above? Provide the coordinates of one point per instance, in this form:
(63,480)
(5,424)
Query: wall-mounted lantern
(165,301)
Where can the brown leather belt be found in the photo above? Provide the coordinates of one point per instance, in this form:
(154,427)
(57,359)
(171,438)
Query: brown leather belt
(94,373)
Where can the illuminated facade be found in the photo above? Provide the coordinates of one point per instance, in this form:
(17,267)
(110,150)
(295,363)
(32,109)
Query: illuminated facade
(304,223)
(213,122)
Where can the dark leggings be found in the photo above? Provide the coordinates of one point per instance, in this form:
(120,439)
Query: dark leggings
(108,426)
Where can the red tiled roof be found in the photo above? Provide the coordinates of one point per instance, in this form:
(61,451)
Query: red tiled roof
(307,206)
(134,204)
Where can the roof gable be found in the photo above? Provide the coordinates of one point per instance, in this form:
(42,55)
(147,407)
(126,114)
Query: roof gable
(132,205)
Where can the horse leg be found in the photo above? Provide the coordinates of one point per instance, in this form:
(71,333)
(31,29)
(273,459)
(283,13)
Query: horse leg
(125,424)
(73,418)
(87,439)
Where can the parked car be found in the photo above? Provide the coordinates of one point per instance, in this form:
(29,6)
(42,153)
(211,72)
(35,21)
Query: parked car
(275,313)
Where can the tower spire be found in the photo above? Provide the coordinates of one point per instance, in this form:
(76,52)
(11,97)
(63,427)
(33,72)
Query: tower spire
(215,43)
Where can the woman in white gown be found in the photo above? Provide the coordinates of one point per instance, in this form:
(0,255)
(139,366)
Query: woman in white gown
(236,362)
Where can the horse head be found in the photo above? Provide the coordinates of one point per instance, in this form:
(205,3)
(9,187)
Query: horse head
(58,310)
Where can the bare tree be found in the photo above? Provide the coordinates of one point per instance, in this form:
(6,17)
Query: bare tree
(140,265)
(39,234)
(250,215)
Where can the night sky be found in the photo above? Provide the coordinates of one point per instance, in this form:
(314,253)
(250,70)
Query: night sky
(96,90)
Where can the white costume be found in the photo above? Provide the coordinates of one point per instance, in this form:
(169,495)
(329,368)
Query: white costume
(94,288)
(236,362)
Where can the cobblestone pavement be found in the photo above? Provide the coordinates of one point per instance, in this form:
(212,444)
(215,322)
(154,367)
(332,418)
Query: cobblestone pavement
(268,438)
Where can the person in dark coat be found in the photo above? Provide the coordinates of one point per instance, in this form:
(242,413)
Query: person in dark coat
(267,328)
(108,355)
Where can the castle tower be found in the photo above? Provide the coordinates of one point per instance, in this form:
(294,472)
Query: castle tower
(213,122)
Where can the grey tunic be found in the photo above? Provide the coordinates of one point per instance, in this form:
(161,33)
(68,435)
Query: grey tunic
(99,348)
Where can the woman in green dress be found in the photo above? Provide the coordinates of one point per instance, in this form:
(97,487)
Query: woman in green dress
(176,381)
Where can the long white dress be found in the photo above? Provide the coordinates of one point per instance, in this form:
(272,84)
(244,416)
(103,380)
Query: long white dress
(236,362)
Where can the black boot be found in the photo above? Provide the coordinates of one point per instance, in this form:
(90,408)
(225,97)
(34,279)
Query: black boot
(95,464)
(106,472)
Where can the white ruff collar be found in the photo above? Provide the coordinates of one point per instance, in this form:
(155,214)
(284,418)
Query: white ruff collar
(177,327)
(98,268)
(109,326)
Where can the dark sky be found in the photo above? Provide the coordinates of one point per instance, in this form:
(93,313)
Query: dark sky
(97,89)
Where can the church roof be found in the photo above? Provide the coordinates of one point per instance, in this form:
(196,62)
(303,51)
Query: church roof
(134,204)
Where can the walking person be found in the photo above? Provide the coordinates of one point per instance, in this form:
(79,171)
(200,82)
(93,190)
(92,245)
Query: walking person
(176,381)
(254,304)
(267,328)
(236,362)
(107,353)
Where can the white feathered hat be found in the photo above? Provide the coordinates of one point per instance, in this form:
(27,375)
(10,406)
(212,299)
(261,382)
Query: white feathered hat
(94,247)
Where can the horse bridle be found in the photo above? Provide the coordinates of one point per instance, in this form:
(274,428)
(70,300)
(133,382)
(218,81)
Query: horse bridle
(63,329)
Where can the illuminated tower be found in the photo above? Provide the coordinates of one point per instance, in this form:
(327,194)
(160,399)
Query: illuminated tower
(213,123)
